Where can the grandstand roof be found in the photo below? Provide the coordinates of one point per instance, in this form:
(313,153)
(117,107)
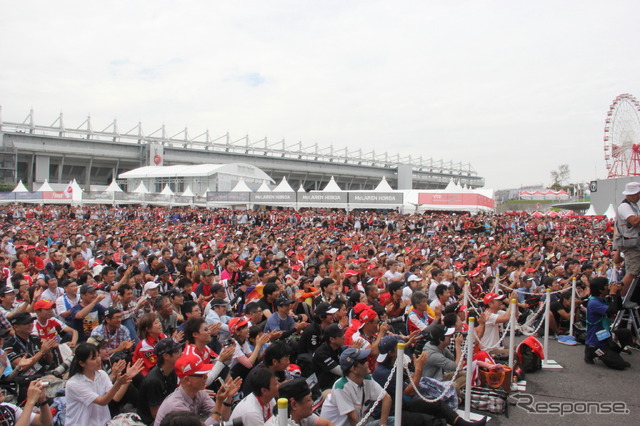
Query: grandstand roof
(197,170)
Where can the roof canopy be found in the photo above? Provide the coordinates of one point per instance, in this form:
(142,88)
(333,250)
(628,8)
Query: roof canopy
(196,170)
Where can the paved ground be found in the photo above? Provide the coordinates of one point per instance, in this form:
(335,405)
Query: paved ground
(579,382)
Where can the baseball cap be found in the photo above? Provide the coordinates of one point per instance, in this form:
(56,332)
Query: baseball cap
(490,297)
(350,273)
(166,346)
(454,307)
(188,365)
(150,285)
(296,267)
(237,322)
(360,307)
(332,330)
(414,277)
(111,311)
(43,304)
(631,188)
(295,388)
(87,288)
(22,318)
(97,341)
(368,315)
(218,301)
(439,332)
(387,344)
(349,356)
(530,270)
(282,302)
(175,292)
(7,290)
(372,267)
(207,272)
(325,308)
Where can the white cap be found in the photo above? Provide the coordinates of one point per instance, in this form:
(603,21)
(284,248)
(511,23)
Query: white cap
(414,277)
(150,285)
(631,188)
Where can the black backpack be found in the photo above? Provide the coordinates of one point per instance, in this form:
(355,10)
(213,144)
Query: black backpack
(530,361)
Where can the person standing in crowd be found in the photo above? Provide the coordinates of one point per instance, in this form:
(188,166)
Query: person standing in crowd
(627,233)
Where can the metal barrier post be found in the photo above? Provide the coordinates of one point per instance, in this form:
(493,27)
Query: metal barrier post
(467,391)
(283,411)
(399,383)
(547,311)
(512,331)
(573,305)
(465,292)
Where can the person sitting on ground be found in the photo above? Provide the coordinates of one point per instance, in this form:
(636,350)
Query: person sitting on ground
(313,336)
(257,407)
(161,380)
(599,342)
(199,335)
(89,389)
(191,394)
(300,408)
(491,320)
(355,392)
(115,334)
(282,321)
(36,395)
(441,363)
(326,359)
(276,359)
(415,411)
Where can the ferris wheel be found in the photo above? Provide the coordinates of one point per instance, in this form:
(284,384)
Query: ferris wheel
(622,137)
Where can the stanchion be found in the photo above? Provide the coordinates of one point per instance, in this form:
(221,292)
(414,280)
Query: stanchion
(467,390)
(465,293)
(573,305)
(512,336)
(399,384)
(546,362)
(496,285)
(283,411)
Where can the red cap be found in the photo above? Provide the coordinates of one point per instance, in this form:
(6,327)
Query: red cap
(530,270)
(372,267)
(490,297)
(236,323)
(474,273)
(340,257)
(350,273)
(360,307)
(43,304)
(296,267)
(482,254)
(190,364)
(368,315)
(361,260)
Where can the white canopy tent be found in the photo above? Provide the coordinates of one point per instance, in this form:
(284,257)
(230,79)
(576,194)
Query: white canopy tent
(45,187)
(283,186)
(20,187)
(141,189)
(113,188)
(166,191)
(611,212)
(383,186)
(188,192)
(591,211)
(241,186)
(332,186)
(264,187)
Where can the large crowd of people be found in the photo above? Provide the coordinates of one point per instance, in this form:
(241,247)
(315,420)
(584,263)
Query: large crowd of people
(195,316)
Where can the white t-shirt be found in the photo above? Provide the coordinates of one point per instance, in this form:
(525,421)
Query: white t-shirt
(65,303)
(252,412)
(491,334)
(346,397)
(9,414)
(81,392)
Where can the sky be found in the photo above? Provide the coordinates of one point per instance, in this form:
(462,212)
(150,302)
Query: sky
(513,88)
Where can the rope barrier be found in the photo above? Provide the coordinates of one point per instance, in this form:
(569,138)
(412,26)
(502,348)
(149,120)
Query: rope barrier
(448,383)
(377,401)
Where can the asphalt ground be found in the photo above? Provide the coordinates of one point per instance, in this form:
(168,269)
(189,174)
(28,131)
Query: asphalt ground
(579,383)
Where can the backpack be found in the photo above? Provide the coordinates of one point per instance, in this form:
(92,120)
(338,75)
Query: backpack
(491,400)
(530,354)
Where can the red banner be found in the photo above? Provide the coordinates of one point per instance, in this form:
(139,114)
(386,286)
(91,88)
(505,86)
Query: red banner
(455,200)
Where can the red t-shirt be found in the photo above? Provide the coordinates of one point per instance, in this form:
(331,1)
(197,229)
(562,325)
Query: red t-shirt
(50,330)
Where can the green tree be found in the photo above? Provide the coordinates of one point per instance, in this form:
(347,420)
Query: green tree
(560,176)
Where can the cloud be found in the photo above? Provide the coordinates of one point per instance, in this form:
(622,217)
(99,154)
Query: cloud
(514,89)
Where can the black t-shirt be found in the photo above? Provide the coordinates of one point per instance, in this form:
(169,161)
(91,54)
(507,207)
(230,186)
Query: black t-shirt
(311,338)
(264,305)
(154,389)
(324,360)
(15,348)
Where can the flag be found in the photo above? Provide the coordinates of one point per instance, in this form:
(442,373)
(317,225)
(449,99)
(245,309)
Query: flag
(68,192)
(255,293)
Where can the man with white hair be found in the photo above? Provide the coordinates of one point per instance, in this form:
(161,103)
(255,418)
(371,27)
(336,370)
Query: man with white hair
(627,232)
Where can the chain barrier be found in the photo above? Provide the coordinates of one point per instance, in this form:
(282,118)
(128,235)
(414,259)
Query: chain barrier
(530,320)
(448,383)
(377,401)
(498,344)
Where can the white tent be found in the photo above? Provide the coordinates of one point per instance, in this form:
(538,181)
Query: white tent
(451,186)
(141,189)
(77,191)
(591,211)
(610,213)
(188,192)
(384,186)
(166,190)
(20,187)
(301,189)
(113,188)
(264,187)
(283,186)
(332,186)
(45,187)
(241,186)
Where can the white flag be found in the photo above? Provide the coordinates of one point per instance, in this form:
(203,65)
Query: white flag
(68,192)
